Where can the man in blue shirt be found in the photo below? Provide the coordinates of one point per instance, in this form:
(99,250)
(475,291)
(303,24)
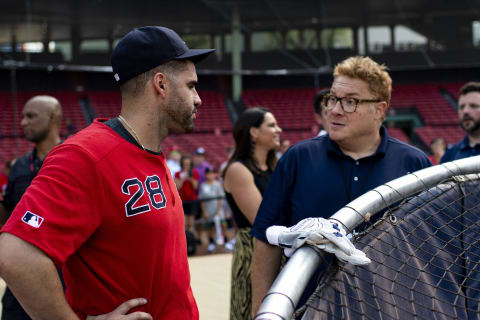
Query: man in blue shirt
(469,116)
(317,177)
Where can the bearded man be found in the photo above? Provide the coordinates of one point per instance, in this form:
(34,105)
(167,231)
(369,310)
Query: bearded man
(469,116)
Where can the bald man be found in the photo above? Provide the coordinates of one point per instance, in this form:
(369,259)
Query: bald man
(41,121)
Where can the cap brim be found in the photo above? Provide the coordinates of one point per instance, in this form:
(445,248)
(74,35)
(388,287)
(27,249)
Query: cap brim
(195,55)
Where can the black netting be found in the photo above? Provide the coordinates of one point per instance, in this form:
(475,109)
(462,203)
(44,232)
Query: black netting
(425,262)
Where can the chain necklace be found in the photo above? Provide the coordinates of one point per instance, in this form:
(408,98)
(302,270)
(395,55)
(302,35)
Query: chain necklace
(122,120)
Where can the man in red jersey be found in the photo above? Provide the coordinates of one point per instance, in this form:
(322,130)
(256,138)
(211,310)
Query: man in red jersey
(104,206)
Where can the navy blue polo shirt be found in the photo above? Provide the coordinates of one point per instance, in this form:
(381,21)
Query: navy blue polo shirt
(314,178)
(461,150)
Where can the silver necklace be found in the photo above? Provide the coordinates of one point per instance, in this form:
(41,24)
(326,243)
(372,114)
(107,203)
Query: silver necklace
(122,120)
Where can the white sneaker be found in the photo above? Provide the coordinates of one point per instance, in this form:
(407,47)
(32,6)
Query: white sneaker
(211,247)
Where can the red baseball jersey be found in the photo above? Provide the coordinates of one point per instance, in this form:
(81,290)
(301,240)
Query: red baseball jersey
(110,214)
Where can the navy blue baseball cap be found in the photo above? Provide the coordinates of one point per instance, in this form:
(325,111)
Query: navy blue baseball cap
(144,48)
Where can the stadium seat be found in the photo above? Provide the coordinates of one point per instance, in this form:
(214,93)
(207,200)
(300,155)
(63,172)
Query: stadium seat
(426,98)
(451,134)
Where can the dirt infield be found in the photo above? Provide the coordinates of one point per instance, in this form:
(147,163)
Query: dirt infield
(211,285)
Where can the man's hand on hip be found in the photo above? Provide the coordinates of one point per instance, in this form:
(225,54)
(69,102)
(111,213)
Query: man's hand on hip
(120,313)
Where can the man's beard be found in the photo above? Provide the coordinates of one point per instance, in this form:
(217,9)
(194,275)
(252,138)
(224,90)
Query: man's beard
(178,112)
(473,128)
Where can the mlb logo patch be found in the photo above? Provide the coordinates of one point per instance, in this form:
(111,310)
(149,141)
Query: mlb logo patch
(32,219)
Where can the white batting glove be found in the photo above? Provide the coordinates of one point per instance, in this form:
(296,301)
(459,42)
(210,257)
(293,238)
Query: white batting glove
(325,234)
(357,257)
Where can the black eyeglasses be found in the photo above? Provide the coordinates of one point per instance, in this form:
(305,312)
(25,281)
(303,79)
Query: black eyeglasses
(348,104)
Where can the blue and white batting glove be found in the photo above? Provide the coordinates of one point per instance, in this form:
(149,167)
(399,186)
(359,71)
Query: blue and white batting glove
(324,234)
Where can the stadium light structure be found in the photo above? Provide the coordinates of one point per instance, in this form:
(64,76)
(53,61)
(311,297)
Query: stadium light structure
(283,296)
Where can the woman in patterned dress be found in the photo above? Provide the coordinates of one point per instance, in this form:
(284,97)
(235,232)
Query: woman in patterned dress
(257,135)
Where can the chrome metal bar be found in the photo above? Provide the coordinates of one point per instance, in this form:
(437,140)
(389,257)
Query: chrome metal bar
(287,289)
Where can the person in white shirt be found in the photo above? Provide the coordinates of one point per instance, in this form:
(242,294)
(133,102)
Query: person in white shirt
(173,161)
(211,196)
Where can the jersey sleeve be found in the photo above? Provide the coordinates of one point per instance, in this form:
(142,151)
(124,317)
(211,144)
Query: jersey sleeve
(275,206)
(63,205)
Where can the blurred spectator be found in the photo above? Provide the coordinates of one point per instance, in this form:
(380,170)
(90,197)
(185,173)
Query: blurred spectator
(320,111)
(41,121)
(187,183)
(200,164)
(284,145)
(173,161)
(212,209)
(227,211)
(70,127)
(437,146)
(256,136)
(469,116)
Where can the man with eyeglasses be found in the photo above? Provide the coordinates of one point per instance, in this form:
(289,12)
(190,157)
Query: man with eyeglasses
(469,116)
(317,177)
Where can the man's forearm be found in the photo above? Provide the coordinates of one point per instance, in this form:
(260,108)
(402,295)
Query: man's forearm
(265,267)
(33,279)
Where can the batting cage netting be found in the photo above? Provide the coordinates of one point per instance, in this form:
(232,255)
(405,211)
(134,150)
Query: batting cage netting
(425,252)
